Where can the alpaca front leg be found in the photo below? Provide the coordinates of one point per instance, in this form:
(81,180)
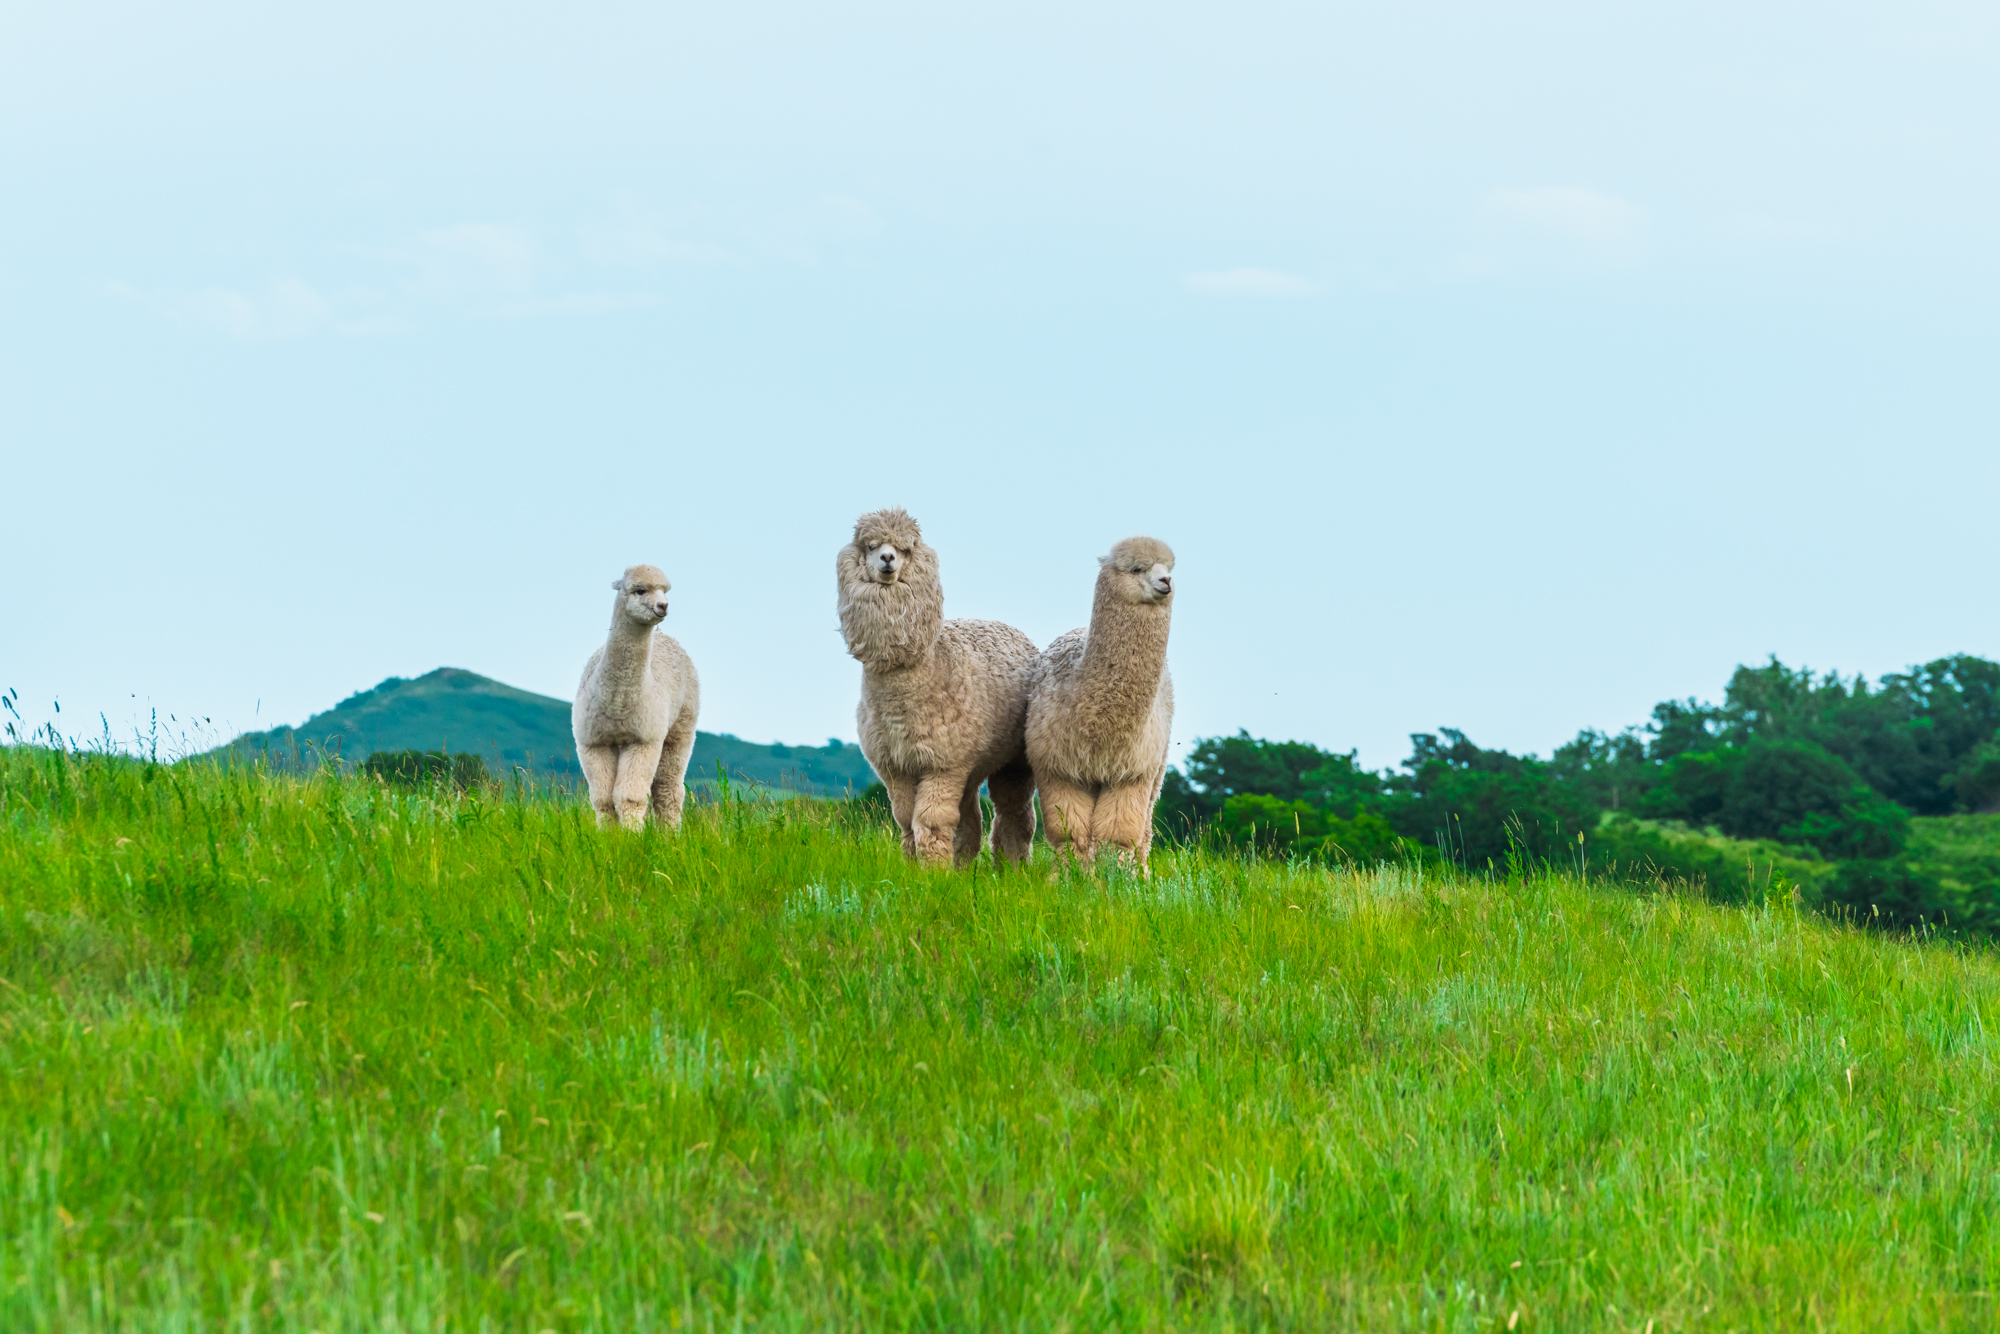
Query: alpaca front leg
(971,827)
(600,775)
(1013,793)
(633,790)
(670,779)
(1123,822)
(1067,811)
(903,809)
(934,823)
(1152,806)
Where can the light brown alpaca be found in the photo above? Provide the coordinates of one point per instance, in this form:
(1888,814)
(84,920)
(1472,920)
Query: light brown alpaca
(635,710)
(1100,710)
(943,702)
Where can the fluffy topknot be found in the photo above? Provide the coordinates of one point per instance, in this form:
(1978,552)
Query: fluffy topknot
(641,576)
(1147,551)
(893,525)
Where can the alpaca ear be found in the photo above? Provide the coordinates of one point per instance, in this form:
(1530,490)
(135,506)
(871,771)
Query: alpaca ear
(1104,560)
(618,584)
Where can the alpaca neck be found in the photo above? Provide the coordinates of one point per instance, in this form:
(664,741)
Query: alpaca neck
(902,658)
(1123,659)
(627,655)
(893,627)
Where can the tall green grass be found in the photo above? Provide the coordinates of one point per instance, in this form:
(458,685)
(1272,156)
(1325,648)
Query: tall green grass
(319,1055)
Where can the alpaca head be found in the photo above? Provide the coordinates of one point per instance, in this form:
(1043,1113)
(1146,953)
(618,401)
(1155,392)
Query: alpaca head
(1139,570)
(891,603)
(642,594)
(885,543)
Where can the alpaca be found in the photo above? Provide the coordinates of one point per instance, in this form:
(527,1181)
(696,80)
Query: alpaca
(942,702)
(1100,709)
(635,710)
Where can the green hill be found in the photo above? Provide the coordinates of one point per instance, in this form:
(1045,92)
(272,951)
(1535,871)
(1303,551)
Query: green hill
(351,1058)
(466,713)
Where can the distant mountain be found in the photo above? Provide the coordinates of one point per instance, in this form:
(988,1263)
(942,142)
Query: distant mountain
(466,713)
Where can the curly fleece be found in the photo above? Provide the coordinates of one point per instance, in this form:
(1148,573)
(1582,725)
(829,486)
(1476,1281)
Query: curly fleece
(1100,713)
(943,703)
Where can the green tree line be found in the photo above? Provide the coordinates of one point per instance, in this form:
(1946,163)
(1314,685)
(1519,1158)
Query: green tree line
(1825,771)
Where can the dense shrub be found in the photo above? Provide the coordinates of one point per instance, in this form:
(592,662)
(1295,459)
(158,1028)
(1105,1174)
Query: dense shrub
(1726,870)
(1221,767)
(1907,891)
(1279,828)
(1790,791)
(1482,807)
(427,768)
(1976,784)
(1257,822)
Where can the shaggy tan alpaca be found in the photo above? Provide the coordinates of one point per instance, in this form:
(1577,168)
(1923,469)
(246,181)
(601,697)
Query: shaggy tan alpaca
(942,702)
(1100,709)
(635,710)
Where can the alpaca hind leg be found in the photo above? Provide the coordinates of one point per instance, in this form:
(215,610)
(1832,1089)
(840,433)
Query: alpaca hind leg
(600,773)
(1123,822)
(934,824)
(1067,812)
(670,779)
(971,827)
(632,793)
(1013,793)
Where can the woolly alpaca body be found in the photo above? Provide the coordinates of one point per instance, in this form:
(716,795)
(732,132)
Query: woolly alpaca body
(943,703)
(1101,711)
(635,711)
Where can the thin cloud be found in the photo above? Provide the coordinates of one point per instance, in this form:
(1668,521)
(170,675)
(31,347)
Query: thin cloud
(643,244)
(283,309)
(1600,224)
(576,303)
(1251,282)
(495,270)
(472,261)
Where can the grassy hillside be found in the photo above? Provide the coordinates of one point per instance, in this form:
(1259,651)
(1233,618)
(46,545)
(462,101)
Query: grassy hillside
(453,709)
(319,1055)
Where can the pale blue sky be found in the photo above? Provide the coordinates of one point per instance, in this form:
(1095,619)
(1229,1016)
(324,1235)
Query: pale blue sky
(1508,367)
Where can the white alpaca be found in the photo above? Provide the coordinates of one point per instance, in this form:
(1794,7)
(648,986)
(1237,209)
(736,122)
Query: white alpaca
(635,710)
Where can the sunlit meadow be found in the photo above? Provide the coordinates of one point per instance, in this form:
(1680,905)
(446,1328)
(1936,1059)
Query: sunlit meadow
(315,1054)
